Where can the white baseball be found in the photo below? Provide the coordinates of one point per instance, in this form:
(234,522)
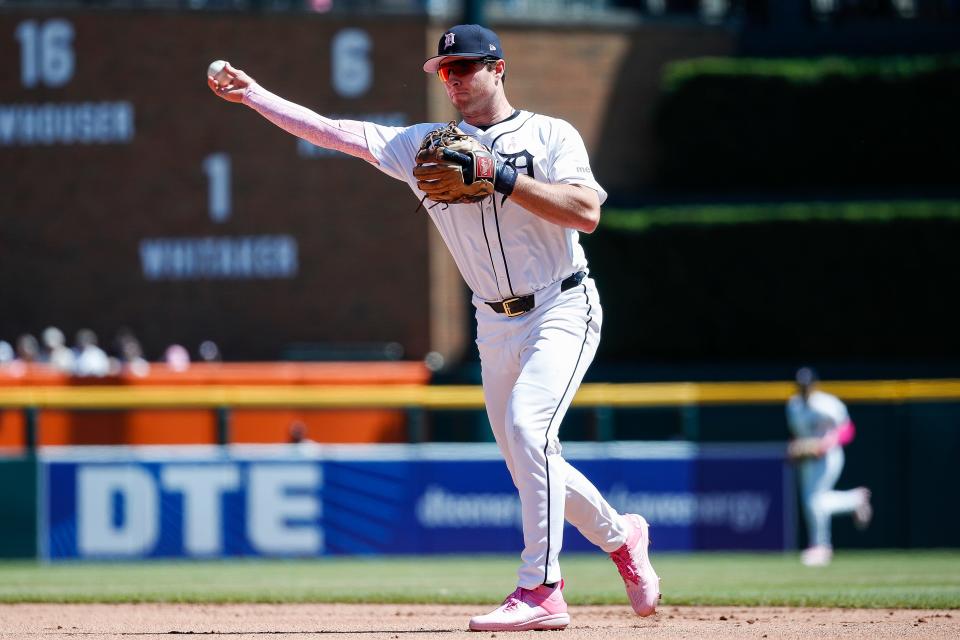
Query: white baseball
(218,69)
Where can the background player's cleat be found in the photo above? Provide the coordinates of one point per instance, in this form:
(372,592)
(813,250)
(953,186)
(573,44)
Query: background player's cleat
(633,562)
(540,609)
(863,513)
(817,556)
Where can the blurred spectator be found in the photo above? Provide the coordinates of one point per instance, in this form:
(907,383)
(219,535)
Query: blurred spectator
(58,354)
(177,357)
(6,352)
(131,353)
(301,441)
(821,426)
(209,351)
(91,359)
(10,358)
(28,349)
(9,362)
(298,432)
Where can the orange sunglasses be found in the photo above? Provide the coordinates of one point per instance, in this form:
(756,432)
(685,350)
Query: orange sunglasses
(461,67)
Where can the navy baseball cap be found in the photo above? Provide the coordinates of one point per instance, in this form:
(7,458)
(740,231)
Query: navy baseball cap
(806,376)
(465,41)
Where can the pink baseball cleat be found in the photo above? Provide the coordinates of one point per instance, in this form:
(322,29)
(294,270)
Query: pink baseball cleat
(540,609)
(633,562)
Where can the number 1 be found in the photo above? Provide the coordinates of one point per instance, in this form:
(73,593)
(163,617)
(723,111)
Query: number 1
(217,168)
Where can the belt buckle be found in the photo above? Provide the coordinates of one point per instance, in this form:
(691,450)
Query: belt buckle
(506,308)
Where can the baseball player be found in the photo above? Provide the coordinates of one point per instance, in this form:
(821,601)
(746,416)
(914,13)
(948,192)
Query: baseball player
(537,310)
(820,425)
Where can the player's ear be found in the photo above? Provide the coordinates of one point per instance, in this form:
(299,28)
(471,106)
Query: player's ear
(501,69)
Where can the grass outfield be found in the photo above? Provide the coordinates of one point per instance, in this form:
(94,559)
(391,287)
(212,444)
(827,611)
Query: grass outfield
(894,579)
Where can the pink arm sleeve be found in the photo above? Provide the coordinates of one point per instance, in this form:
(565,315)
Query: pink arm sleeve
(842,436)
(343,135)
(845,433)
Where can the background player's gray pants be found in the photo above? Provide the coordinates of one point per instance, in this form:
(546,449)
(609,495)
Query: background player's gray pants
(820,501)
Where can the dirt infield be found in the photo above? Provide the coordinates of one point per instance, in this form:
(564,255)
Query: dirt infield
(376,622)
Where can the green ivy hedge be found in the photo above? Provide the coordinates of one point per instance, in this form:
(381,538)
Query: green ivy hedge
(753,124)
(795,282)
(644,219)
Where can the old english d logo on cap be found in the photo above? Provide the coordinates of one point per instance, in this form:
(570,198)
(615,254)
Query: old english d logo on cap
(465,41)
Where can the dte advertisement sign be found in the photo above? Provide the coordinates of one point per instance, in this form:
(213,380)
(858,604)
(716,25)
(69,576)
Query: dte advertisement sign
(283,501)
(209,509)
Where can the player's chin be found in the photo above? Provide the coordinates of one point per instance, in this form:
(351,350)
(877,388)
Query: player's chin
(460,99)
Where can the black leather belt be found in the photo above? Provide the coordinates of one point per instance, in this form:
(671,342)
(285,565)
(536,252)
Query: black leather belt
(519,305)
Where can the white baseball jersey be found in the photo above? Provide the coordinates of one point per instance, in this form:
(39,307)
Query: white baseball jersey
(502,249)
(532,364)
(820,414)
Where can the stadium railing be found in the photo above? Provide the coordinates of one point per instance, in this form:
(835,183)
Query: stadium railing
(415,399)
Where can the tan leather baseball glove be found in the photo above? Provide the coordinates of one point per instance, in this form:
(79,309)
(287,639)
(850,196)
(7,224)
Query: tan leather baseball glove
(804,449)
(453,167)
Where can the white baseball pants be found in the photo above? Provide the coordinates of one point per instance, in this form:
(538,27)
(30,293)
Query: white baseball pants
(532,366)
(820,501)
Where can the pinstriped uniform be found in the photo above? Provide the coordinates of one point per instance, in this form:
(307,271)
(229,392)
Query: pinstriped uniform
(532,364)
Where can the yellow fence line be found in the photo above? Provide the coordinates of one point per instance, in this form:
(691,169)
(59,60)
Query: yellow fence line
(455,396)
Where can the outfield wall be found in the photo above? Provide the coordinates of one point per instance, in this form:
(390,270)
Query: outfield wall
(18,508)
(907,441)
(315,500)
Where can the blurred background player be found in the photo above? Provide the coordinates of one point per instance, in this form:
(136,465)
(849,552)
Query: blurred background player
(821,426)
